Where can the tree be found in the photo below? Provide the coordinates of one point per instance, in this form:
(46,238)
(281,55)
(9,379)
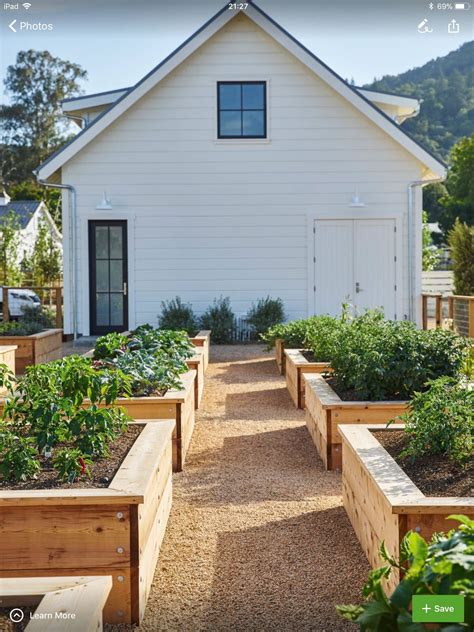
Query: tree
(429,254)
(33,123)
(461,242)
(9,244)
(46,258)
(459,203)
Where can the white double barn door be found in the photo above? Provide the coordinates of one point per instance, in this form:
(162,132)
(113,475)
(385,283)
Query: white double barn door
(355,262)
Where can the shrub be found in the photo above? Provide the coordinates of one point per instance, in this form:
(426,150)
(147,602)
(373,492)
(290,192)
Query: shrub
(461,242)
(443,566)
(44,412)
(39,315)
(383,359)
(441,421)
(266,313)
(14,328)
(178,315)
(220,318)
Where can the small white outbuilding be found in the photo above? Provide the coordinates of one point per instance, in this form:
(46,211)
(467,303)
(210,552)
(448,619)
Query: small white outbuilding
(241,166)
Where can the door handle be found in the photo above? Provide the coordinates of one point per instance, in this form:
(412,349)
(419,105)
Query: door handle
(358,288)
(125,288)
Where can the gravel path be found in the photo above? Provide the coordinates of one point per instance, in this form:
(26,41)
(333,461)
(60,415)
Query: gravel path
(258,538)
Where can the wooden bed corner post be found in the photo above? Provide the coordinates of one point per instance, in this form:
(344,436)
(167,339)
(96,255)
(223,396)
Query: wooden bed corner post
(6,311)
(59,311)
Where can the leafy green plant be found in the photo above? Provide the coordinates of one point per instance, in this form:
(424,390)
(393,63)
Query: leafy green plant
(175,344)
(177,315)
(441,421)
(383,359)
(44,411)
(443,566)
(110,345)
(323,336)
(220,318)
(18,456)
(266,313)
(70,464)
(15,328)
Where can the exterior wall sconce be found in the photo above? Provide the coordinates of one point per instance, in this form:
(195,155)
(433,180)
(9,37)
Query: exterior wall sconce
(105,205)
(356,202)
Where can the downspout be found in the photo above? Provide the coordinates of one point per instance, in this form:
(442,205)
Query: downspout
(411,187)
(72,245)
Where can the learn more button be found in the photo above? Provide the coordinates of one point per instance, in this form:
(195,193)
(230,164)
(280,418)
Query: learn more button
(438,609)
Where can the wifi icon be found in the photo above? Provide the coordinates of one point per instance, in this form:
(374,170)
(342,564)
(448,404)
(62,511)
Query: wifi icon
(26,5)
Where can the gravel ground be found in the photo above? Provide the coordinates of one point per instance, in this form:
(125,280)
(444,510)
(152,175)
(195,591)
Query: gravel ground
(258,538)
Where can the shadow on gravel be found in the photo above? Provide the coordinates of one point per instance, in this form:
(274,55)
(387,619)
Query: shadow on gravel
(285,575)
(262,405)
(279,465)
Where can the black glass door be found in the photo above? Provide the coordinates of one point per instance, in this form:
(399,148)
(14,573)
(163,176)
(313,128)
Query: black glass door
(108,276)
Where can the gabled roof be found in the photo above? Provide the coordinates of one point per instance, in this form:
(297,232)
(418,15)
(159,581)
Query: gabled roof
(264,21)
(23,209)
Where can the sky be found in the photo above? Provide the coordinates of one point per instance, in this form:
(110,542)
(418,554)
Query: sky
(119,41)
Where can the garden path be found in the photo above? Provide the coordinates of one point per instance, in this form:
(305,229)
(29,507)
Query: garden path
(258,538)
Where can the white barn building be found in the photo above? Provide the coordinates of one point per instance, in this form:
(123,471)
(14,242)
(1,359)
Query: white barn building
(241,166)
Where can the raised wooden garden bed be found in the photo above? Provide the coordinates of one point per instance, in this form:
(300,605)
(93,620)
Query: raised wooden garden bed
(280,355)
(35,349)
(196,363)
(114,531)
(60,604)
(295,366)
(382,502)
(177,405)
(325,411)
(203,339)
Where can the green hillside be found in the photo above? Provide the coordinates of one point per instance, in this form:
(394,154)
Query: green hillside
(446,87)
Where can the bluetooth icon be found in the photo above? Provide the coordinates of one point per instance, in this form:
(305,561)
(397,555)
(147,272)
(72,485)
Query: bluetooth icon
(431,6)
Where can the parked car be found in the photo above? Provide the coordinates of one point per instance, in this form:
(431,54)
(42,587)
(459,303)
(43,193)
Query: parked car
(17,300)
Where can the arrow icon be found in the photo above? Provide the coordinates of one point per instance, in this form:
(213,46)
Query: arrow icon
(12,27)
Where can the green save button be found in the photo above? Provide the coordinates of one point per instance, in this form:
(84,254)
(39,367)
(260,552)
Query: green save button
(438,608)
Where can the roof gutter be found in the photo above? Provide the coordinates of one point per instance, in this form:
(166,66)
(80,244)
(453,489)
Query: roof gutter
(411,188)
(72,245)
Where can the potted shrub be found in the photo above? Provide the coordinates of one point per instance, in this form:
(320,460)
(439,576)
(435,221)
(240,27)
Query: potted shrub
(35,339)
(440,566)
(162,387)
(82,490)
(412,476)
(377,367)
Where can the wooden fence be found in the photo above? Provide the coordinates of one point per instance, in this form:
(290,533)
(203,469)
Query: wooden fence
(56,293)
(460,310)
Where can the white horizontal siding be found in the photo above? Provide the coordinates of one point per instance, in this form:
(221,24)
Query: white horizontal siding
(230,218)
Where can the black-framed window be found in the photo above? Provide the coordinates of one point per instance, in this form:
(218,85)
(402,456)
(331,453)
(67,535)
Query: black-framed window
(241,109)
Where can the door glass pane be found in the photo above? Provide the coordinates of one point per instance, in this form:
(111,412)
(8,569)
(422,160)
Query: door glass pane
(101,242)
(230,124)
(253,123)
(116,275)
(102,307)
(229,96)
(116,251)
(116,309)
(102,275)
(252,97)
